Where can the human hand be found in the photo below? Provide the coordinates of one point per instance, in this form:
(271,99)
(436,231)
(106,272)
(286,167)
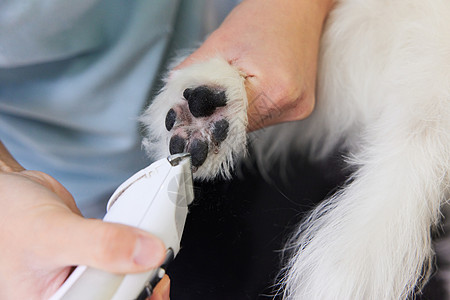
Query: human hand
(275,44)
(43,234)
(162,289)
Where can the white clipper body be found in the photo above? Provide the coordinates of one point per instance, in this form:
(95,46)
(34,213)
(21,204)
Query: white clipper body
(154,199)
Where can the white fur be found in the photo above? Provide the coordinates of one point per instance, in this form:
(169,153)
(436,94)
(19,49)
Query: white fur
(384,91)
(384,96)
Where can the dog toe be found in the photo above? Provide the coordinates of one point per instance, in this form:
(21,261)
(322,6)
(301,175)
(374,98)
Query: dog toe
(177,144)
(220,130)
(199,152)
(204,100)
(170,119)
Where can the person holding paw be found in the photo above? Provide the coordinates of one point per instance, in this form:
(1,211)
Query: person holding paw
(74,77)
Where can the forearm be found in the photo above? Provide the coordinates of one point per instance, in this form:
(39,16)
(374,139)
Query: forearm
(7,161)
(293,20)
(285,70)
(275,43)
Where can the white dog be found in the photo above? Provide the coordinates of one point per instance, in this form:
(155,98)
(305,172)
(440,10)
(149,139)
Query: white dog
(384,96)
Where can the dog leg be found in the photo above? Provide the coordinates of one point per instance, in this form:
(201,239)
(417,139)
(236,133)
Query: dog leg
(372,239)
(204,110)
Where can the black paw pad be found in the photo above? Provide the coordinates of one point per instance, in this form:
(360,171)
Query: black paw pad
(203,101)
(220,130)
(177,144)
(170,119)
(199,152)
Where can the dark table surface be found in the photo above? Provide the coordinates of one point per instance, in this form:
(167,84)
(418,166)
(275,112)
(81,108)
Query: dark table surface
(231,246)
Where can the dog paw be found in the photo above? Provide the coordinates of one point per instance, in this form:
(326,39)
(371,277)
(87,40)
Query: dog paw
(201,110)
(198,125)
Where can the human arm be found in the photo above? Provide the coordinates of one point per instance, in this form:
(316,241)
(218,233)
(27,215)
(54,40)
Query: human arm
(276,44)
(42,234)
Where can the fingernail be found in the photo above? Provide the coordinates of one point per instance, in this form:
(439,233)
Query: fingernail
(149,251)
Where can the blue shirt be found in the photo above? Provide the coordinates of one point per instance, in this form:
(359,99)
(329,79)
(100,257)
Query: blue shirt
(75,75)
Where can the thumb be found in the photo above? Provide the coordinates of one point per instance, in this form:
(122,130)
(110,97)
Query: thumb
(111,247)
